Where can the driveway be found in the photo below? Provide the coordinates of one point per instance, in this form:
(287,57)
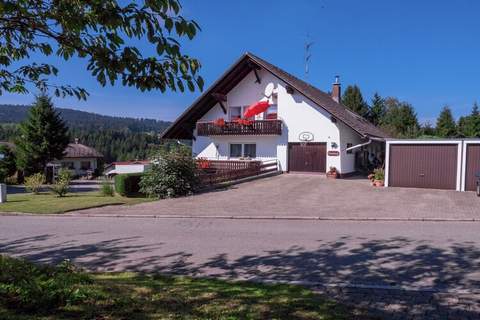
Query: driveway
(312,196)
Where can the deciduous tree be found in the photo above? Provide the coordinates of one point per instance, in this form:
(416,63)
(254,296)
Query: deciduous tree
(104,32)
(400,119)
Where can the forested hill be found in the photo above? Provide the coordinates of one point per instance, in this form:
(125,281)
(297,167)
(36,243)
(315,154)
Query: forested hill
(82,120)
(116,138)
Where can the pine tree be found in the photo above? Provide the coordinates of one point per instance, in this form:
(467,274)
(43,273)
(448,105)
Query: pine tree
(377,110)
(353,99)
(43,137)
(446,126)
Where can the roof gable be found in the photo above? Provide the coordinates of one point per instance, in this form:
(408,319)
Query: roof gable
(183,127)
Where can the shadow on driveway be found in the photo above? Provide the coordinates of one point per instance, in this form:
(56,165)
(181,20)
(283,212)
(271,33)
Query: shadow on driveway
(381,262)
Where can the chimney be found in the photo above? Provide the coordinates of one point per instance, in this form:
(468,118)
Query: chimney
(336,90)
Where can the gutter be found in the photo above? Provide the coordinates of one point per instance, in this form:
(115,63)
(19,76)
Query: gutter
(360,145)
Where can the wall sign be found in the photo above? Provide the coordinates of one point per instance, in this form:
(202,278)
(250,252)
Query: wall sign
(333,153)
(305,136)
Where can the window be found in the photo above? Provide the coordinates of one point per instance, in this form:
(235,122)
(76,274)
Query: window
(250,150)
(236,113)
(271,113)
(68,165)
(85,165)
(247,150)
(235,150)
(348,146)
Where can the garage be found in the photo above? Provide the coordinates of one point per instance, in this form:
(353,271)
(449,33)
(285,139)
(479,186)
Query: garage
(310,157)
(472,165)
(423,164)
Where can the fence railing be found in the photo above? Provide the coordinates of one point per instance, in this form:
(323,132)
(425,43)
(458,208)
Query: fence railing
(219,171)
(256,127)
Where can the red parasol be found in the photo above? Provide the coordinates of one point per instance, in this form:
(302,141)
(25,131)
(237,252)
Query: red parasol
(256,108)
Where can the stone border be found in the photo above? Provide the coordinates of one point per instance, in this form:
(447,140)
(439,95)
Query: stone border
(78,213)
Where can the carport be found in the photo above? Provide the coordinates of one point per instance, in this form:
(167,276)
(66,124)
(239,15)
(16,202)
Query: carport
(449,164)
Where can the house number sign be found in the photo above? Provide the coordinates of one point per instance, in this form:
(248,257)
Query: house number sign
(305,136)
(333,153)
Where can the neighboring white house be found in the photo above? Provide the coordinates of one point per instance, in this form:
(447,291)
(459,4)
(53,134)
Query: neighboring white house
(80,159)
(124,167)
(304,129)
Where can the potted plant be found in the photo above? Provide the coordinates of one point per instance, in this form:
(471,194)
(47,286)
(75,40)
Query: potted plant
(332,173)
(378,177)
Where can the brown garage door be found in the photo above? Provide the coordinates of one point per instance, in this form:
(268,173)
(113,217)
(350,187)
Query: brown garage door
(472,166)
(309,158)
(423,166)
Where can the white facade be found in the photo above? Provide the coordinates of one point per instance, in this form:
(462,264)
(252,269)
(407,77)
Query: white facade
(298,114)
(126,168)
(78,166)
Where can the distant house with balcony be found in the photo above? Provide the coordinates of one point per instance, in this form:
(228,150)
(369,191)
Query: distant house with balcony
(301,127)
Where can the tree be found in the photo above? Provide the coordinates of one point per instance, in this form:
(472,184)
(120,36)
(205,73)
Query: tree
(400,119)
(43,137)
(102,32)
(7,163)
(469,126)
(377,109)
(353,99)
(446,126)
(427,130)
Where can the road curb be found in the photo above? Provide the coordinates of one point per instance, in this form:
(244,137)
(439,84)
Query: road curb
(223,217)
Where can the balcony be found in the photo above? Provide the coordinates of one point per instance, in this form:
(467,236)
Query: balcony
(232,128)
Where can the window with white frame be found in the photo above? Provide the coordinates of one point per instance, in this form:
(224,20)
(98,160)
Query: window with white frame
(271,113)
(236,112)
(243,150)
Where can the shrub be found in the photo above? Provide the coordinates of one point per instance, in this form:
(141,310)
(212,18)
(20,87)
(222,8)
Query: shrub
(106,189)
(62,183)
(379,174)
(172,174)
(128,184)
(32,288)
(34,182)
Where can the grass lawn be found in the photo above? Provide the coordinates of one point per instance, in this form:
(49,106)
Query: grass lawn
(49,203)
(64,294)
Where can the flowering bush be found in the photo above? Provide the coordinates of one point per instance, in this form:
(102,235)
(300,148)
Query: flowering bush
(172,174)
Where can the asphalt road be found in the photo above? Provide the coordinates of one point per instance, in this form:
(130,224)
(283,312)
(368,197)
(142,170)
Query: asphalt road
(441,255)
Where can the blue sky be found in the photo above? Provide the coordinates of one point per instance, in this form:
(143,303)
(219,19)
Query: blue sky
(425,52)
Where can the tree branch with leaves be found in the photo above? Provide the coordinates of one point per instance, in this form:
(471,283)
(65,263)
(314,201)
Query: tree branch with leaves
(104,33)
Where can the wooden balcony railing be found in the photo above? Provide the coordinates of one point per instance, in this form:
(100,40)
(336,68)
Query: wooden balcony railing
(257,127)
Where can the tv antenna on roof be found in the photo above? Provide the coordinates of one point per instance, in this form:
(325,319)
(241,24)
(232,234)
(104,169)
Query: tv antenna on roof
(308,55)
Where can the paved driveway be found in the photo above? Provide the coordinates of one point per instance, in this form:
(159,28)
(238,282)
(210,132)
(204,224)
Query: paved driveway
(299,195)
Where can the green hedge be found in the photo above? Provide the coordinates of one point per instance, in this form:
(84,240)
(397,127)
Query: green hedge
(128,184)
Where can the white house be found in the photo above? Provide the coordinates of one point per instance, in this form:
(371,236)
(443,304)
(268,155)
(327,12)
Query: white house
(304,129)
(125,167)
(80,159)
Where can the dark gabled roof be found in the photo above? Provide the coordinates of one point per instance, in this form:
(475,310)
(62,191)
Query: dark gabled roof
(183,127)
(78,150)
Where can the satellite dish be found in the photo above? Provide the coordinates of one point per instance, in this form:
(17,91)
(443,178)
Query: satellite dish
(269,90)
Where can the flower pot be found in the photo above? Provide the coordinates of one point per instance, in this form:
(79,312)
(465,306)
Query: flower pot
(378,183)
(332,175)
